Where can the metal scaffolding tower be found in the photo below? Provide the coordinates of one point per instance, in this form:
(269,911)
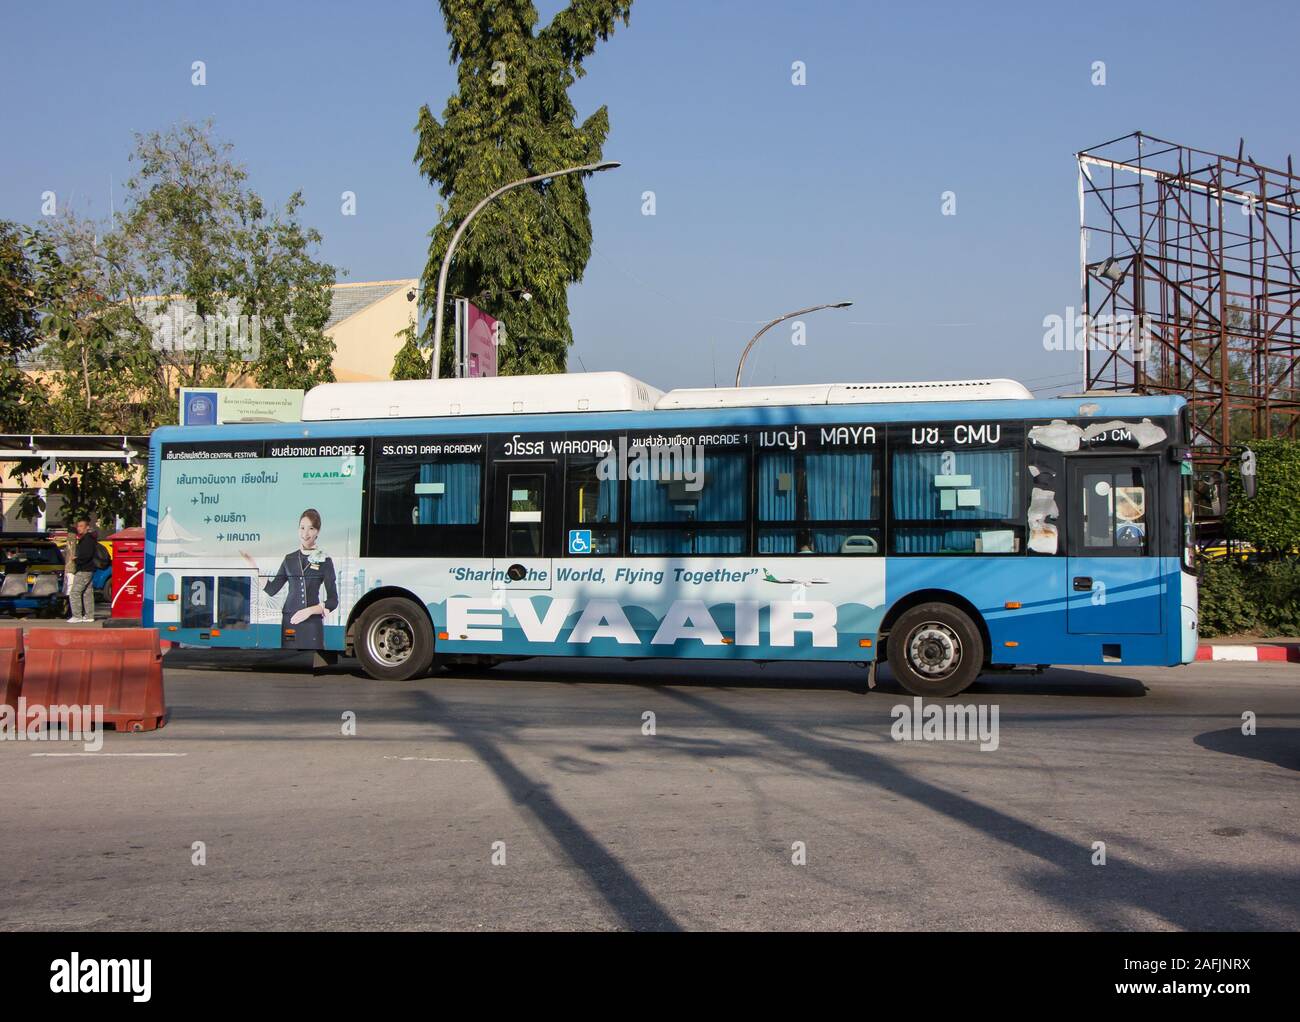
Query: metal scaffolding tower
(1190,284)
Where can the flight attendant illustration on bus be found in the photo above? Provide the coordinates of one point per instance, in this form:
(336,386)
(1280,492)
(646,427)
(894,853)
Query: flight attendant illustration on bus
(305,571)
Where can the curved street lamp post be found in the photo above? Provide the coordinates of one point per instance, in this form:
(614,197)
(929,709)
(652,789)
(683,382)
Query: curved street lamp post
(590,168)
(781,319)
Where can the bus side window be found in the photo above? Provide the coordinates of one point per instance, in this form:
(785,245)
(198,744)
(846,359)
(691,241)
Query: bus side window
(197,601)
(819,502)
(591,504)
(427,507)
(961,502)
(234,602)
(706,514)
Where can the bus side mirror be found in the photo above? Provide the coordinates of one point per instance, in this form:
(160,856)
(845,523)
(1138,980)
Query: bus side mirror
(1213,488)
(1248,472)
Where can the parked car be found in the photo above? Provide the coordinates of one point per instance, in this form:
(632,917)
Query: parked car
(31,576)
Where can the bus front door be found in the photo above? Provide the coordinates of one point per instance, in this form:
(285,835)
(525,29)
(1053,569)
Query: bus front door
(1113,574)
(526,520)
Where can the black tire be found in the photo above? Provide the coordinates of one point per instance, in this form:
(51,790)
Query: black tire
(394,640)
(935,650)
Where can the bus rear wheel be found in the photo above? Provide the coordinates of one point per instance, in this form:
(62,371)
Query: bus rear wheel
(935,650)
(394,640)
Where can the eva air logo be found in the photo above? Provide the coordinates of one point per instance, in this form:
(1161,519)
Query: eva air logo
(347,468)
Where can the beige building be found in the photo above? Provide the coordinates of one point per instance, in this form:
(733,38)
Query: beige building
(365,319)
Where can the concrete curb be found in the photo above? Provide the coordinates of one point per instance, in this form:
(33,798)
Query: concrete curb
(1286,653)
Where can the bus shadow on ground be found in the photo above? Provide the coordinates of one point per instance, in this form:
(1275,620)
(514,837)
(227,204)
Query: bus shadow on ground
(1279,746)
(1058,681)
(245,661)
(809,675)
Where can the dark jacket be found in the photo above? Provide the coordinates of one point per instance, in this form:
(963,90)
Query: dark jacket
(85,556)
(305,581)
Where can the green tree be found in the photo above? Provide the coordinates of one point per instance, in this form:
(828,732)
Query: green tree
(197,282)
(194,231)
(94,367)
(511,118)
(85,378)
(18,323)
(410,363)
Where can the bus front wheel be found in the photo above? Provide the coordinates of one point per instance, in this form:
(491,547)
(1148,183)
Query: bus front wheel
(935,650)
(394,640)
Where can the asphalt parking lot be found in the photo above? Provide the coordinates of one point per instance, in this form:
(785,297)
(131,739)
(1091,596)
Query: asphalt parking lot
(693,827)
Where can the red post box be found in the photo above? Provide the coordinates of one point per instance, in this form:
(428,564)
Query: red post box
(128,573)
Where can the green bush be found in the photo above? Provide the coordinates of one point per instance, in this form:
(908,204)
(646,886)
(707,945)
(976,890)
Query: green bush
(1261,596)
(1271,520)
(1225,607)
(1275,589)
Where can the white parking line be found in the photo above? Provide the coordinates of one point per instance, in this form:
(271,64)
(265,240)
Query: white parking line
(54,754)
(428,759)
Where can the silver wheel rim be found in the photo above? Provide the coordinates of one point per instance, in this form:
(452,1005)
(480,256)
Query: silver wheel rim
(934,650)
(390,640)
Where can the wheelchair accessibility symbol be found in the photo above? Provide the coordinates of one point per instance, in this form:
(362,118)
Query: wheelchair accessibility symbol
(579,541)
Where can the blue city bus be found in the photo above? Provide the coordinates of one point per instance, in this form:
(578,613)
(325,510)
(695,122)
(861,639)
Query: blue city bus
(948,528)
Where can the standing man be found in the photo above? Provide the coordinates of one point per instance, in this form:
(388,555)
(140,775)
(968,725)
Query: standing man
(83,563)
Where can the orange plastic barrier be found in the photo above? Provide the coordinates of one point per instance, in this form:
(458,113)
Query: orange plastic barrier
(11,666)
(119,669)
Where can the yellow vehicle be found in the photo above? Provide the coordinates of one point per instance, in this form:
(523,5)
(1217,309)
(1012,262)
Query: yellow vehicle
(1220,551)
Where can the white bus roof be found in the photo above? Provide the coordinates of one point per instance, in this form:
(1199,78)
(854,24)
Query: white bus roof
(496,395)
(845,394)
(612,392)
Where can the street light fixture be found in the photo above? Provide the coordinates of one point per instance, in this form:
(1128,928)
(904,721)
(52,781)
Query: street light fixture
(589,168)
(781,319)
(1110,269)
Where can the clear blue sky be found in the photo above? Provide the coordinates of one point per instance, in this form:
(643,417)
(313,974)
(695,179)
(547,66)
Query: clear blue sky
(769,196)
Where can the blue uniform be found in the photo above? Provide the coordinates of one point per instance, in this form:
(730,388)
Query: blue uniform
(304,577)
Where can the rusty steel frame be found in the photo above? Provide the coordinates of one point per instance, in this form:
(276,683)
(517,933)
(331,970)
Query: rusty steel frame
(1204,249)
